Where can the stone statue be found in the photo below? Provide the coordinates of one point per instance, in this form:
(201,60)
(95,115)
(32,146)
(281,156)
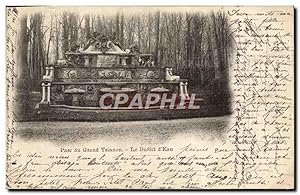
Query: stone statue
(134,48)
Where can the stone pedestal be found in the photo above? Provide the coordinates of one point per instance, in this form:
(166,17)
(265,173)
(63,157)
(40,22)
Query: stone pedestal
(43,105)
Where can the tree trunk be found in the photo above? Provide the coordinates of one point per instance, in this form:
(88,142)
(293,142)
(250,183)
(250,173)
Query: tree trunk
(56,39)
(122,31)
(49,40)
(73,28)
(139,31)
(22,51)
(23,86)
(65,36)
(87,26)
(149,33)
(117,26)
(188,40)
(218,45)
(157,19)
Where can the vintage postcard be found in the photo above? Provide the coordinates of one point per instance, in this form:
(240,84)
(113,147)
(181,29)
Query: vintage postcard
(178,98)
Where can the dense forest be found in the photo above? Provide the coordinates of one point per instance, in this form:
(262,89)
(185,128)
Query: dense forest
(198,46)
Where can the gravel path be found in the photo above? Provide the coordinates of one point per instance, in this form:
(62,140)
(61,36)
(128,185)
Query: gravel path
(140,131)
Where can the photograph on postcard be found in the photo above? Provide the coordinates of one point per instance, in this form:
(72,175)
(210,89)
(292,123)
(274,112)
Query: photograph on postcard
(185,98)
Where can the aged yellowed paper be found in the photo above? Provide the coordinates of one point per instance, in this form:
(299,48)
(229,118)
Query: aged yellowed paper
(150,98)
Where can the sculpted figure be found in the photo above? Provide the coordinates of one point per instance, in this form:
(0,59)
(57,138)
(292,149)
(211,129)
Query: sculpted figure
(134,48)
(91,40)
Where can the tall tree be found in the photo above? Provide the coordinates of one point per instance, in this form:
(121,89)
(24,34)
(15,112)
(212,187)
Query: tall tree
(73,26)
(188,40)
(157,19)
(118,26)
(23,85)
(57,35)
(122,30)
(149,32)
(139,31)
(87,26)
(37,47)
(65,35)
(22,50)
(49,39)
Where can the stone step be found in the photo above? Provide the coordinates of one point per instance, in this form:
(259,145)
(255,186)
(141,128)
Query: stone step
(35,95)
